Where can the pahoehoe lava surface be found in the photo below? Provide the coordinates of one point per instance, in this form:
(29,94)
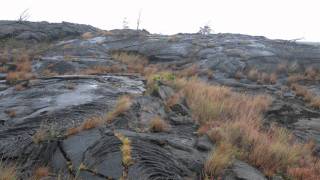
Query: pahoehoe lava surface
(64,101)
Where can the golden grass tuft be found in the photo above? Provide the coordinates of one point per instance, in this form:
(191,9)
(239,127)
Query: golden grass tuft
(158,125)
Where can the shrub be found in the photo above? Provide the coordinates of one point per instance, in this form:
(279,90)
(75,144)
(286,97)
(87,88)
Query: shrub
(158,125)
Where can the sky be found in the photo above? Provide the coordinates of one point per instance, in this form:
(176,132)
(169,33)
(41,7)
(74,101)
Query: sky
(275,19)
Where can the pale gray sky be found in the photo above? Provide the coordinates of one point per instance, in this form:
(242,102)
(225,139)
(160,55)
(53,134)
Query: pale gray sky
(284,19)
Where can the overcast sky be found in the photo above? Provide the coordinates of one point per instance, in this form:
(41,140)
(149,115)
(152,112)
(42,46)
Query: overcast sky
(284,19)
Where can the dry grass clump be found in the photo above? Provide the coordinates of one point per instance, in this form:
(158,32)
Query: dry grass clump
(103,69)
(123,104)
(311,73)
(89,123)
(11,113)
(189,71)
(238,75)
(22,71)
(135,62)
(87,35)
(174,99)
(219,159)
(234,120)
(40,135)
(282,68)
(40,173)
(211,103)
(273,78)
(272,151)
(253,74)
(48,73)
(8,172)
(295,78)
(307,95)
(158,125)
(126,149)
(19,87)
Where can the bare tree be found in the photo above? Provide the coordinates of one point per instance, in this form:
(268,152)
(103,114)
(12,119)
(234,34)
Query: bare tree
(139,20)
(125,24)
(24,16)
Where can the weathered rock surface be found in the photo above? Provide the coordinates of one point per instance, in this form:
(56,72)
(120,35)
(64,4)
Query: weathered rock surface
(60,102)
